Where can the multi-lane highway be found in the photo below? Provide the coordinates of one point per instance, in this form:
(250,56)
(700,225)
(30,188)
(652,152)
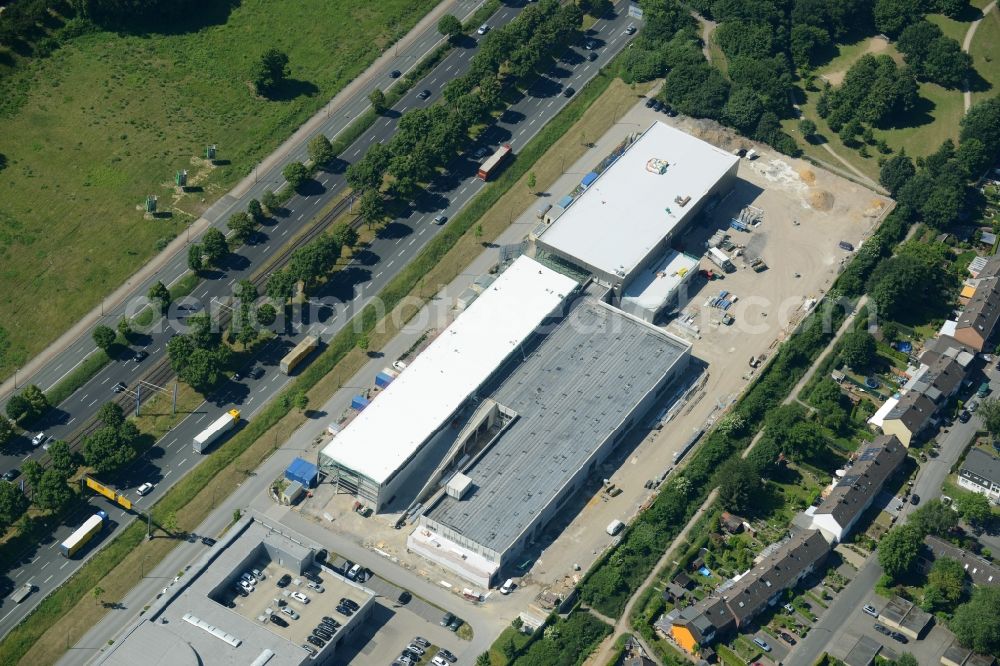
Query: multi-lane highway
(353,287)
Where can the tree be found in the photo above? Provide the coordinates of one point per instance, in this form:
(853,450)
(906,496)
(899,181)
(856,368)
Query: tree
(255,211)
(111,414)
(246,291)
(532,181)
(738,483)
(313,261)
(891,16)
(159,293)
(947,579)
(296,174)
(124,327)
(934,517)
(743,109)
(982,122)
(974,508)
(7,431)
(108,448)
(98,592)
(379,104)
(345,235)
(363,342)
(170,522)
(266,314)
(989,412)
(18,407)
(270,201)
(973,158)
(906,659)
(372,208)
(483,659)
(214,244)
(896,172)
(27,405)
(858,350)
(976,623)
(365,174)
(898,550)
(281,285)
(321,150)
(242,226)
(13,504)
(269,72)
(196,257)
(62,458)
(300,400)
(807,127)
(51,493)
(946,63)
(450,26)
(104,337)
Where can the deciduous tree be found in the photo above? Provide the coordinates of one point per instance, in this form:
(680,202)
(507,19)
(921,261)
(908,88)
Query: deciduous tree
(13,504)
(372,208)
(159,293)
(858,350)
(269,72)
(196,257)
(449,26)
(7,431)
(976,624)
(321,150)
(281,285)
(934,517)
(242,226)
(898,550)
(947,579)
(345,235)
(974,508)
(214,245)
(296,174)
(104,337)
(51,493)
(266,314)
(738,483)
(62,458)
(378,101)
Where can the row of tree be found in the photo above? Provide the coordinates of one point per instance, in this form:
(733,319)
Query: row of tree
(933,56)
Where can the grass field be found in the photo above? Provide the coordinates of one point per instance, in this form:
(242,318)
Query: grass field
(109,118)
(985,51)
(950,27)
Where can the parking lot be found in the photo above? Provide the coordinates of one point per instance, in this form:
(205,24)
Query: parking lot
(388,631)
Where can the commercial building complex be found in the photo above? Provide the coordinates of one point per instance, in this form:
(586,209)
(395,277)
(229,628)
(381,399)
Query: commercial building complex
(556,417)
(202,619)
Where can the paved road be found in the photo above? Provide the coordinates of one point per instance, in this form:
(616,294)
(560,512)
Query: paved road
(352,289)
(927,486)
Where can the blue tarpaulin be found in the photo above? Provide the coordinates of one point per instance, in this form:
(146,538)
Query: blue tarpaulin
(588,179)
(565,201)
(359,402)
(383,379)
(302,471)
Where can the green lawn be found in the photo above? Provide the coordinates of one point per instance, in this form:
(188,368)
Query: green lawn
(109,118)
(985,50)
(950,27)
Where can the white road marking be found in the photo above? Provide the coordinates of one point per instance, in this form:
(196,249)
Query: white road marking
(449,68)
(532,121)
(463,190)
(285,232)
(249,400)
(85,396)
(262,389)
(21,571)
(93,403)
(413,241)
(199,419)
(378,275)
(421,232)
(316,203)
(275,378)
(300,216)
(401,253)
(551,102)
(230,283)
(387,122)
(181,463)
(266,249)
(167,473)
(155,350)
(432,80)
(356,152)
(105,381)
(56,369)
(523,130)
(71,420)
(45,565)
(389,264)
(63,564)
(51,576)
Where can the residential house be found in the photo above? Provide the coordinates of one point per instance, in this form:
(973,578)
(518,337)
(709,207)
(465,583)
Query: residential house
(980,316)
(980,473)
(759,588)
(911,417)
(979,570)
(856,490)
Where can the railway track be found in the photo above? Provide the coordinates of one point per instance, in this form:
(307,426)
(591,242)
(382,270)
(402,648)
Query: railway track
(161,373)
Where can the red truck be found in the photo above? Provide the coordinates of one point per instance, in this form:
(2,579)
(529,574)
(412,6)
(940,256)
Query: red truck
(493,162)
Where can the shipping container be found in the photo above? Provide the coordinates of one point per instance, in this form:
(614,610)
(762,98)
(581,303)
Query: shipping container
(493,162)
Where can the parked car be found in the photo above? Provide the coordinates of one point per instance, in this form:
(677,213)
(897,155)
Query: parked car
(310,649)
(416,648)
(972,406)
(353,605)
(344,610)
(592,56)
(870,610)
(762,644)
(240,588)
(896,636)
(438,660)
(447,655)
(278,621)
(255,372)
(421,641)
(301,598)
(208,541)
(788,637)
(455,623)
(964,416)
(316,641)
(144,488)
(882,629)
(446,619)
(314,586)
(789,608)
(352,574)
(290,612)
(507,587)
(914,499)
(322,633)
(284,581)
(329,620)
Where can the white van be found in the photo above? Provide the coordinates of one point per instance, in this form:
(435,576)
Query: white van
(615,527)
(507,587)
(354,571)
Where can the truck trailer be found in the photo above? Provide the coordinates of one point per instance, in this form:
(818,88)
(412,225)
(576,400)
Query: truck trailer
(297,355)
(493,162)
(720,259)
(223,424)
(83,534)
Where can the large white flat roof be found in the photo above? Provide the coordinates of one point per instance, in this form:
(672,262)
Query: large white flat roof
(418,402)
(655,284)
(623,215)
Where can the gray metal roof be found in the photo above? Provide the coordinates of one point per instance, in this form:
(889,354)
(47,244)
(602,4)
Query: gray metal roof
(583,380)
(853,493)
